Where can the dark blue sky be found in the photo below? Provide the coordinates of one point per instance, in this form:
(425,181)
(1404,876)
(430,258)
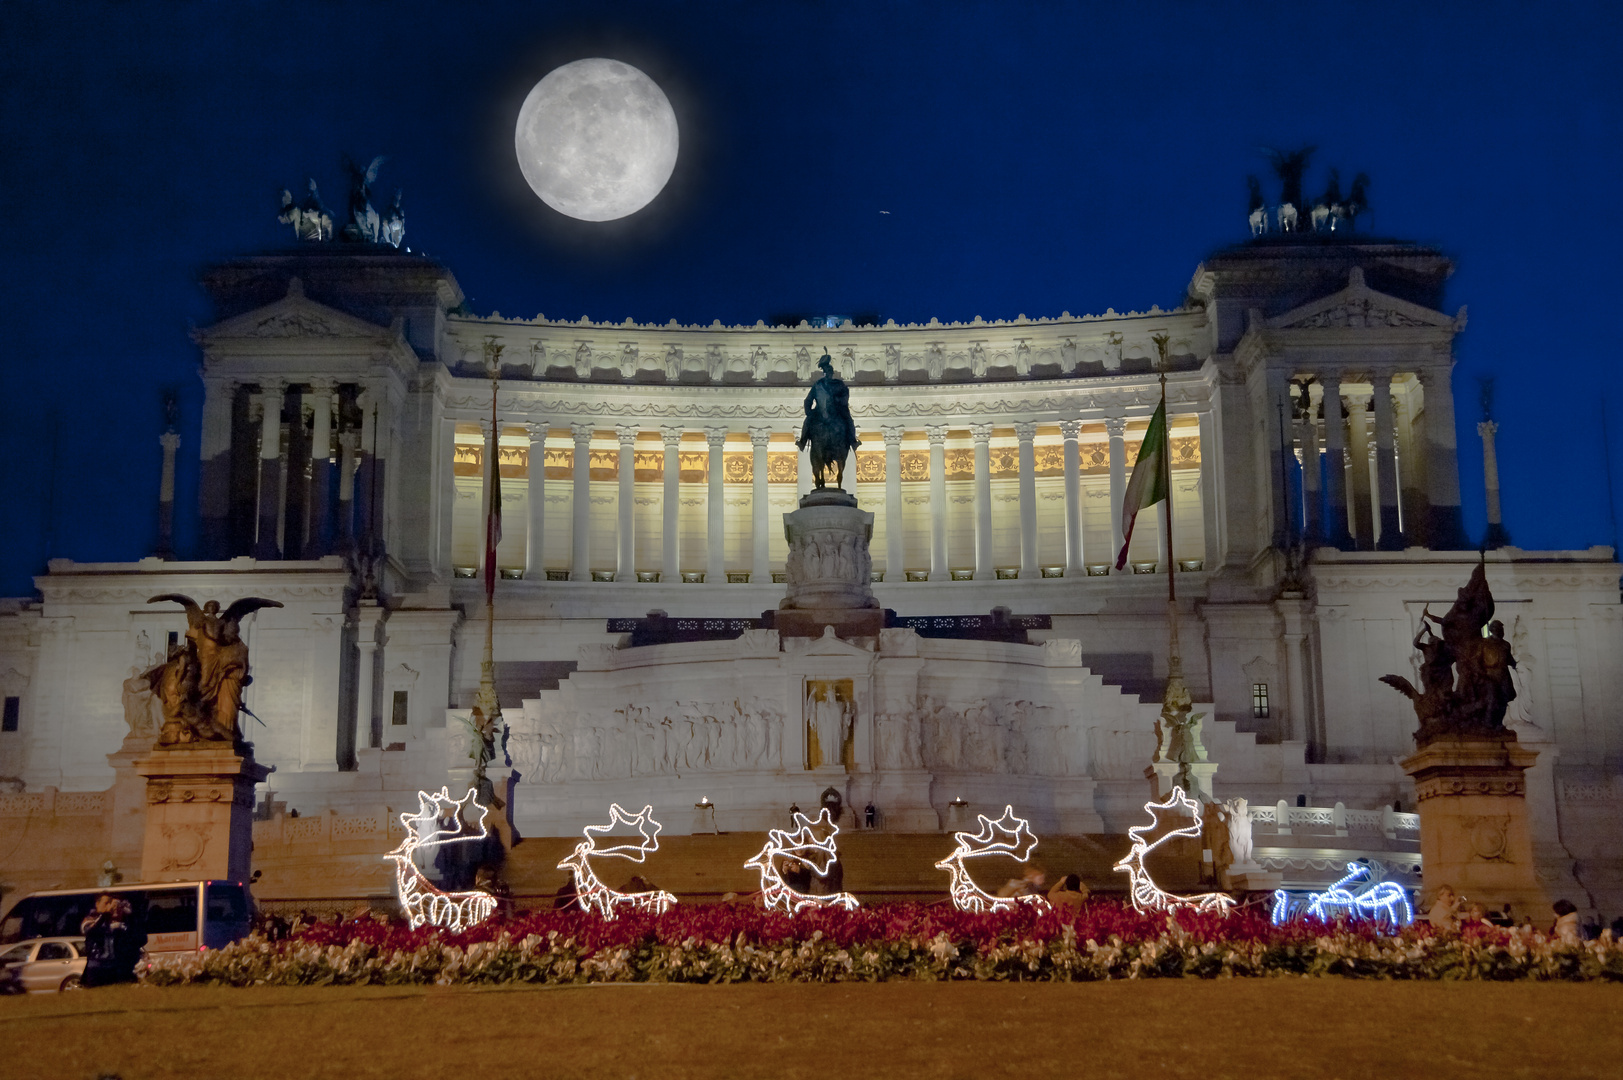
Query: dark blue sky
(1034,158)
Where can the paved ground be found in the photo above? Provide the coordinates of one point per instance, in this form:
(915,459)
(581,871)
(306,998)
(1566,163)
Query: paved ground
(1323,1029)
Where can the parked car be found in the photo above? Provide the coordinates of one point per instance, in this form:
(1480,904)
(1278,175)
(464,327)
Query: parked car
(43,965)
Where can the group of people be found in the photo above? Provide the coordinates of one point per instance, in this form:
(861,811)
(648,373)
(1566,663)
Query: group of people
(1450,912)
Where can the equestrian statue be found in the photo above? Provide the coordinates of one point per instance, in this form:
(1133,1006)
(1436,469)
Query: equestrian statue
(828,429)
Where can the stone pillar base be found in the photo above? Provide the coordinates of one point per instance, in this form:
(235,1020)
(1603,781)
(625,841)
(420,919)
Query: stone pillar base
(1473,820)
(200,806)
(1162,775)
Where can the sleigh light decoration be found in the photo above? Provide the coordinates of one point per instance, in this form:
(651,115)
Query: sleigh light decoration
(1384,902)
(1146,895)
(440,820)
(590,891)
(1007,835)
(802,843)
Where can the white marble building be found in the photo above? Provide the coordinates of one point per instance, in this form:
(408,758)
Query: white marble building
(646,467)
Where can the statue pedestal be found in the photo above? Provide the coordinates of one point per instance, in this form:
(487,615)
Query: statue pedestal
(200,805)
(1251,877)
(829,571)
(1163,776)
(1473,819)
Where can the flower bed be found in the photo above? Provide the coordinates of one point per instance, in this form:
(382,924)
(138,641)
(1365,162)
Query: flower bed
(887,941)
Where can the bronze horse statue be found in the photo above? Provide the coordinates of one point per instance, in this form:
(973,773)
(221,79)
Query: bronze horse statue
(828,429)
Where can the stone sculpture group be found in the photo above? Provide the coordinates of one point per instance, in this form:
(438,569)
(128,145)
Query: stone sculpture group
(199,686)
(1466,678)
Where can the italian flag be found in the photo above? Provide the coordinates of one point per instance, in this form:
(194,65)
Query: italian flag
(1148,484)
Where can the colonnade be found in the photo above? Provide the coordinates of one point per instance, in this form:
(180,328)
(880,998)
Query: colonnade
(1076,561)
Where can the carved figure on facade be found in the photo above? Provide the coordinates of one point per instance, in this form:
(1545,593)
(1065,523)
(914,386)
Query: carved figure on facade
(394,223)
(310,219)
(143,708)
(1467,678)
(200,684)
(828,428)
(656,739)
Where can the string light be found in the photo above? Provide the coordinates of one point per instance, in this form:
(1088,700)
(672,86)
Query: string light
(590,892)
(1380,901)
(423,901)
(1145,894)
(802,844)
(1008,835)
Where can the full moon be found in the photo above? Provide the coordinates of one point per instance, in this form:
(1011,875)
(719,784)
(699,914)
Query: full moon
(596,139)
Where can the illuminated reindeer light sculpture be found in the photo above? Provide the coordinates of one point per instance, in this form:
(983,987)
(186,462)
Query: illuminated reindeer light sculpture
(1146,895)
(439,820)
(802,843)
(1007,835)
(590,892)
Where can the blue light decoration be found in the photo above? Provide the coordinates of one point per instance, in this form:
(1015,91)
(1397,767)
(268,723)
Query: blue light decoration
(1385,902)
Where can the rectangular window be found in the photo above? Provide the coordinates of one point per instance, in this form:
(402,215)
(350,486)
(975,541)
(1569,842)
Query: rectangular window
(1259,700)
(14,707)
(398,716)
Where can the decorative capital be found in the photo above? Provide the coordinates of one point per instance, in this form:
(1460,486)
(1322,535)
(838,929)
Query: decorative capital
(1025,431)
(1116,426)
(537,430)
(321,384)
(627,434)
(893,434)
(981,432)
(170,441)
(1487,429)
(582,430)
(937,434)
(1070,429)
(760,437)
(672,436)
(716,437)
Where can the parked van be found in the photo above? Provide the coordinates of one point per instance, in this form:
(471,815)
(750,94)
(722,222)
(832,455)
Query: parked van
(170,917)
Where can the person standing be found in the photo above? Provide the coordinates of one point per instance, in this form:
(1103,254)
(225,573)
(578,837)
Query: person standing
(110,950)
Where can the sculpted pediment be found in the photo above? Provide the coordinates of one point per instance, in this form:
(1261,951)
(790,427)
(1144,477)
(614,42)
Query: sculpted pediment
(1360,307)
(295,316)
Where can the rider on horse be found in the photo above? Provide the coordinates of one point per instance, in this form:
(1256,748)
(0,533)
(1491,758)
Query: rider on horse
(828,427)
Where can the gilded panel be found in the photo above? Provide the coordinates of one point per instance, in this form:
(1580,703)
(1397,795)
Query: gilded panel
(960,464)
(1050,460)
(1005,462)
(560,464)
(1185,451)
(737,468)
(782,468)
(870,467)
(470,460)
(915,465)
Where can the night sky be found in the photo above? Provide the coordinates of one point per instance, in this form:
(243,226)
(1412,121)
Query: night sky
(1033,159)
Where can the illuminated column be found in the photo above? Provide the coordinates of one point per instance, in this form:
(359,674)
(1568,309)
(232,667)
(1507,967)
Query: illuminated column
(1071,431)
(1496,536)
(938,502)
(348,442)
(1026,433)
(803,471)
(670,568)
(760,518)
(320,398)
(214,481)
(1312,471)
(169,441)
(489,462)
(1209,500)
(625,563)
(1386,466)
(266,543)
(1335,465)
(1445,528)
(1360,522)
(580,555)
(715,566)
(982,434)
(895,542)
(367,622)
(1116,426)
(535,567)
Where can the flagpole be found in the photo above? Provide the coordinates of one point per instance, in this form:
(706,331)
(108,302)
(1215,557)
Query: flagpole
(486,709)
(1176,738)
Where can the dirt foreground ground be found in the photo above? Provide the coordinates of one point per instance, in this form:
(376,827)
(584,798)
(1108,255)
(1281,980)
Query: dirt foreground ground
(1320,1028)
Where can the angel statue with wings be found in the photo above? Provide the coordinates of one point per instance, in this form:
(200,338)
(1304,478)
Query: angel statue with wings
(200,684)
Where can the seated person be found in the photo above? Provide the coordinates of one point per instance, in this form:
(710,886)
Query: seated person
(1068,892)
(1444,911)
